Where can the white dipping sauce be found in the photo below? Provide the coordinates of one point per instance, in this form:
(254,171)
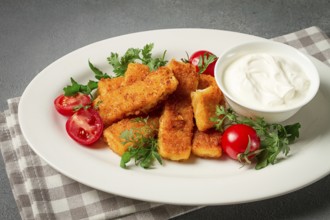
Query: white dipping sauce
(262,81)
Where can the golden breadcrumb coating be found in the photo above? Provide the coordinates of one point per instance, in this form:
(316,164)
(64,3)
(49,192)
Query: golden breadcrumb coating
(206,81)
(139,97)
(204,104)
(109,84)
(112,133)
(186,75)
(175,130)
(207,144)
(135,72)
(176,122)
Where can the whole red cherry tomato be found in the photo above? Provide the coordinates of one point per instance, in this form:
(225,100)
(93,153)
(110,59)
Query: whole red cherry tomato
(85,126)
(240,142)
(209,59)
(65,105)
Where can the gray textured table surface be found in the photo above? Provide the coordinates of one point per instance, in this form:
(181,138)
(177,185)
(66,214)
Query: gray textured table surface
(35,33)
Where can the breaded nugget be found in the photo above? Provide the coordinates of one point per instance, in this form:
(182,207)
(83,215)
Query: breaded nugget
(204,104)
(205,100)
(140,97)
(105,85)
(109,84)
(176,122)
(175,130)
(112,133)
(187,77)
(207,144)
(206,81)
(135,72)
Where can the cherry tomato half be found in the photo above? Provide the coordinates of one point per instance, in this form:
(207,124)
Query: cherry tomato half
(194,60)
(235,141)
(85,126)
(65,104)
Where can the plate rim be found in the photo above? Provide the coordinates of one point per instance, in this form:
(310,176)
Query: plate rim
(151,199)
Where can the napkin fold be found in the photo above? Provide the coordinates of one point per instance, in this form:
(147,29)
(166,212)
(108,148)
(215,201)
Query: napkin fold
(41,192)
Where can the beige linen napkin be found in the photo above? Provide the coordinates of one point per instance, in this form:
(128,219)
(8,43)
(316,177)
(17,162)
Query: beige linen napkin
(43,193)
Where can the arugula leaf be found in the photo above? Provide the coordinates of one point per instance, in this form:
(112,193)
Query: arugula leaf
(275,138)
(119,65)
(98,73)
(75,88)
(142,155)
(72,89)
(185,60)
(92,85)
(143,148)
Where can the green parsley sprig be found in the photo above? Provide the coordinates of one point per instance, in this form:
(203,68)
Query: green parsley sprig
(119,65)
(204,61)
(275,138)
(133,55)
(143,147)
(76,87)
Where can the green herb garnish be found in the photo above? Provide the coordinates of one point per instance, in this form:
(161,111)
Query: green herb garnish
(143,145)
(204,61)
(119,68)
(275,138)
(75,88)
(97,72)
(132,55)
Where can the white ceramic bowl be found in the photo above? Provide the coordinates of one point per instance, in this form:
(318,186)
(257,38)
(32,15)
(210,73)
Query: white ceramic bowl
(270,114)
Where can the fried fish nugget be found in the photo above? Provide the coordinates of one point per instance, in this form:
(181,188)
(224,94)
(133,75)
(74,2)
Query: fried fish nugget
(135,72)
(187,77)
(109,84)
(204,104)
(140,97)
(105,85)
(112,133)
(207,144)
(176,122)
(175,130)
(206,81)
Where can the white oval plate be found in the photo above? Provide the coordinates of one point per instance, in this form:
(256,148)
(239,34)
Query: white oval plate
(195,182)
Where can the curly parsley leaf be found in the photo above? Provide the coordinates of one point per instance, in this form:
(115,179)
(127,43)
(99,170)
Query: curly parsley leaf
(157,62)
(133,55)
(275,138)
(146,53)
(204,61)
(292,132)
(120,64)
